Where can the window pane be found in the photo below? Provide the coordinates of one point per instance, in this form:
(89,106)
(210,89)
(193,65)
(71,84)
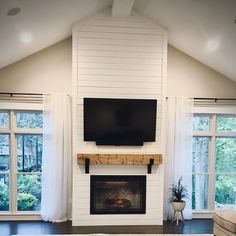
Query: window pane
(28,192)
(201,123)
(4,152)
(4,192)
(4,119)
(29,120)
(200,192)
(226,123)
(225,196)
(200,154)
(29,152)
(226,155)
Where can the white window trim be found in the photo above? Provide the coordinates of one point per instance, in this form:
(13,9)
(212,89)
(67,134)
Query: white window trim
(19,216)
(21,106)
(213,111)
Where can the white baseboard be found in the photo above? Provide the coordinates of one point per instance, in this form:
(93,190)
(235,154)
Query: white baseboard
(202,214)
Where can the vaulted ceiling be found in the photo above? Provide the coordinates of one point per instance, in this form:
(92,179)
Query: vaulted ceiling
(203,29)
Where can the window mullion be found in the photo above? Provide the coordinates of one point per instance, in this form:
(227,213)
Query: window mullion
(212,153)
(226,134)
(202,133)
(13,170)
(28,131)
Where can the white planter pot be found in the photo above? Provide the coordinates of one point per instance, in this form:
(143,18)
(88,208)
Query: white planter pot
(178,206)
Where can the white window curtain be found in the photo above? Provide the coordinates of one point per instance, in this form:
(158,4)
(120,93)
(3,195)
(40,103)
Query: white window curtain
(178,161)
(57,158)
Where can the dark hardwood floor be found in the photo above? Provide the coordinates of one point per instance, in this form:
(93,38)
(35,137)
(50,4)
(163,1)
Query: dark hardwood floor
(196,226)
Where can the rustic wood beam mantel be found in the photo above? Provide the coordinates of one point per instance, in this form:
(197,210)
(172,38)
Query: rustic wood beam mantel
(119,159)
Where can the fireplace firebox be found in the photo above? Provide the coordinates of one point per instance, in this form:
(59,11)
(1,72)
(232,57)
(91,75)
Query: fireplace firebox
(118,194)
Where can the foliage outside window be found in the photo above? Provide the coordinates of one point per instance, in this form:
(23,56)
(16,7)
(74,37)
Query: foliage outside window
(20,144)
(201,123)
(200,172)
(226,123)
(4,119)
(214,162)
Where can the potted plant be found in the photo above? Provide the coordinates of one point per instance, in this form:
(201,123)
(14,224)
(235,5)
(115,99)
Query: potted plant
(177,195)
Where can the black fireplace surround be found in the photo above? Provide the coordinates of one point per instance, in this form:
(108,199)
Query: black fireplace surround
(118,194)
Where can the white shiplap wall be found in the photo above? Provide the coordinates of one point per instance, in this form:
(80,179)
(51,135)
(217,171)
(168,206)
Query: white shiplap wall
(118,58)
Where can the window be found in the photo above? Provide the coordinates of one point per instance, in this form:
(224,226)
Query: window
(214,162)
(20,160)
(200,172)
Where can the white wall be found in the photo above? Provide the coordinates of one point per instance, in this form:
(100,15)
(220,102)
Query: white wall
(49,70)
(118,58)
(188,77)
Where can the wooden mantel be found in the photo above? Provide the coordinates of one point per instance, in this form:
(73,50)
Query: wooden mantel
(120,159)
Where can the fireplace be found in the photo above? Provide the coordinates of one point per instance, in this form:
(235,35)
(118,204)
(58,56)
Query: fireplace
(118,194)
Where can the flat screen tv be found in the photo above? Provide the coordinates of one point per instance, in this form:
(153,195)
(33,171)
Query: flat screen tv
(119,121)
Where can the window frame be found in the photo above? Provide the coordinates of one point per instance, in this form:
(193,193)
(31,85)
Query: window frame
(12,109)
(213,112)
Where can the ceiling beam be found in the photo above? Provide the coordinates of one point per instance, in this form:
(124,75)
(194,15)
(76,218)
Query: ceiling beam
(122,8)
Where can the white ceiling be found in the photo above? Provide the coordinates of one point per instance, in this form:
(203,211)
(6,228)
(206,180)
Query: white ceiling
(191,25)
(46,21)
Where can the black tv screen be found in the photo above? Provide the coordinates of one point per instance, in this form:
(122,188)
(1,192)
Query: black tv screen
(119,121)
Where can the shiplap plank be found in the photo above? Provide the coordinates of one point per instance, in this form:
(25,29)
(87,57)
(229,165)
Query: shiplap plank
(120,30)
(107,78)
(114,84)
(129,96)
(114,72)
(127,48)
(124,79)
(121,66)
(133,36)
(119,42)
(111,90)
(121,54)
(113,60)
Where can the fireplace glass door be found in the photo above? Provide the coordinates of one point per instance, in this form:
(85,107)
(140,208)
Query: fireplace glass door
(118,194)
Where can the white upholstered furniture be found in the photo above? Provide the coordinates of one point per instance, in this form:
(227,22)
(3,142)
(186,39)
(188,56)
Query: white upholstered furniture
(224,223)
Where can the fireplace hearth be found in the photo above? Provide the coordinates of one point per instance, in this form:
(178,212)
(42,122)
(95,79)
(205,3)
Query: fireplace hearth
(118,194)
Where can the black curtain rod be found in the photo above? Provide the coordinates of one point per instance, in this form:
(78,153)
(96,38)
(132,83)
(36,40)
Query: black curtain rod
(12,94)
(214,99)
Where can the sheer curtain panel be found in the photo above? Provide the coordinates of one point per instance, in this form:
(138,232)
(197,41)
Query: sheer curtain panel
(178,161)
(57,158)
